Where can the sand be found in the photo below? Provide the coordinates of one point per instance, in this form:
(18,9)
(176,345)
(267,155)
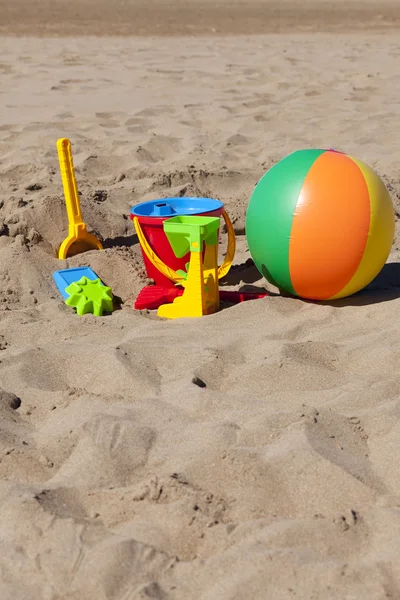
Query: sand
(193,17)
(120,478)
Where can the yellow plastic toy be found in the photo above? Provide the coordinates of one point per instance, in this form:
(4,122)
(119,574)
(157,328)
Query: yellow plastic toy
(174,275)
(78,240)
(201,290)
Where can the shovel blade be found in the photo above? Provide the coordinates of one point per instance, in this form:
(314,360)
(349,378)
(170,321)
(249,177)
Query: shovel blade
(76,245)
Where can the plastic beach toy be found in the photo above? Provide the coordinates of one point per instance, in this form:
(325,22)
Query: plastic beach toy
(162,265)
(65,277)
(199,236)
(89,296)
(78,240)
(320,224)
(84,290)
(163,259)
(152,297)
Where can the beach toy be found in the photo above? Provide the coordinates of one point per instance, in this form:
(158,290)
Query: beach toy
(199,236)
(320,224)
(78,240)
(80,288)
(65,277)
(160,261)
(149,218)
(152,297)
(89,296)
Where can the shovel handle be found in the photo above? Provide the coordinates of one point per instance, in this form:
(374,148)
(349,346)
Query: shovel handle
(69,182)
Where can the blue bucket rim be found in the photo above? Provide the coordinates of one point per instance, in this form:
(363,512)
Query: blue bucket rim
(182,206)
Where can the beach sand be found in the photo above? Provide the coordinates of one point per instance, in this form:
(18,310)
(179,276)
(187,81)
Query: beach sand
(120,478)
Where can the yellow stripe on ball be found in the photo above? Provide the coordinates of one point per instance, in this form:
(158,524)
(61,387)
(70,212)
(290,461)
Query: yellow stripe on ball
(380,235)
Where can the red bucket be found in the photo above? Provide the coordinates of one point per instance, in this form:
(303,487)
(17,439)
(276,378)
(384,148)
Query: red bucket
(151,216)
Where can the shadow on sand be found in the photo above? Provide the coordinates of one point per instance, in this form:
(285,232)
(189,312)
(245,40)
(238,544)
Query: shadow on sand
(385,287)
(127,240)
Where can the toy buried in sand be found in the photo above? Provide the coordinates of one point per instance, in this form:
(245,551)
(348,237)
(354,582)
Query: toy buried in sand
(78,240)
(80,288)
(65,277)
(89,296)
(152,297)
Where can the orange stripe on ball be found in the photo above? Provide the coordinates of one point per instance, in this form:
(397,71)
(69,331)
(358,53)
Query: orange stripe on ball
(330,227)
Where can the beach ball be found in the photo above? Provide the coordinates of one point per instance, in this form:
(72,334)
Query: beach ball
(320,224)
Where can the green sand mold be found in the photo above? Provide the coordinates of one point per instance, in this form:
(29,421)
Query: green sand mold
(90,296)
(187,234)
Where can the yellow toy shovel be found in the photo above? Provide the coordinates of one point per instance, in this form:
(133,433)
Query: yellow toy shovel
(78,240)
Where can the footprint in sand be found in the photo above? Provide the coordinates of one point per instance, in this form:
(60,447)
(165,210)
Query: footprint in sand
(108,452)
(343,442)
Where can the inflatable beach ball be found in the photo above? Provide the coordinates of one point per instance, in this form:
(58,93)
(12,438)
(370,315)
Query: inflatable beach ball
(320,224)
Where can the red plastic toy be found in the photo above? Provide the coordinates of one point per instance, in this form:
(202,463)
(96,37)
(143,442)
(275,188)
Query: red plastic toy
(153,296)
(149,218)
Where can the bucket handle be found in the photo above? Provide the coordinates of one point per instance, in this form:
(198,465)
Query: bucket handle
(173,275)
